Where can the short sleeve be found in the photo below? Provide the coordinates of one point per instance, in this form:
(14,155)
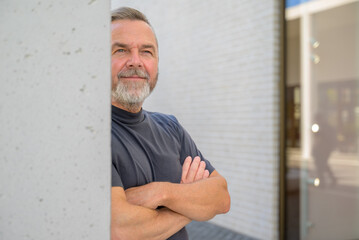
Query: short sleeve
(116,179)
(189,148)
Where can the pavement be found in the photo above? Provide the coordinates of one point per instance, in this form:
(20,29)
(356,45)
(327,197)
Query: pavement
(210,231)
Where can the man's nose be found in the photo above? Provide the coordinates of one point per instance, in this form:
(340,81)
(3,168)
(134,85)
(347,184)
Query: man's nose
(134,61)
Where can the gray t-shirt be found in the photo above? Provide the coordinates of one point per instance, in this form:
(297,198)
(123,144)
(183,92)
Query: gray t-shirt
(149,147)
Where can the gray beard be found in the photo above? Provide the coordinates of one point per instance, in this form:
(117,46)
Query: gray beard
(131,95)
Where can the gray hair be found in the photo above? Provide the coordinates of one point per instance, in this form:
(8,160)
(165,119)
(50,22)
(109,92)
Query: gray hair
(126,13)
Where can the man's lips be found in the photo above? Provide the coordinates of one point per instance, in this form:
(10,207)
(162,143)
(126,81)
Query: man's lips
(134,77)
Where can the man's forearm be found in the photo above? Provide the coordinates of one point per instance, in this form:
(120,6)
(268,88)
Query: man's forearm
(136,222)
(200,200)
(196,199)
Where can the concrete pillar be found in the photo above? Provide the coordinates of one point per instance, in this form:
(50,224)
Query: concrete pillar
(54,119)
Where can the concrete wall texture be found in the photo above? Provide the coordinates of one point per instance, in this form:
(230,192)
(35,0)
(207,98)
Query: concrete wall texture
(55,119)
(219,75)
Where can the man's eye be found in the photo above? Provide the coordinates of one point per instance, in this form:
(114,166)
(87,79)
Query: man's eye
(118,51)
(148,52)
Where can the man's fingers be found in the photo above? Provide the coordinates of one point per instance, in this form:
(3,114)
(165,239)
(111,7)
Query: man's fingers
(193,169)
(185,168)
(206,174)
(200,171)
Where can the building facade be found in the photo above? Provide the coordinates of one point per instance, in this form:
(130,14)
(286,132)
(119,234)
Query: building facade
(322,194)
(222,76)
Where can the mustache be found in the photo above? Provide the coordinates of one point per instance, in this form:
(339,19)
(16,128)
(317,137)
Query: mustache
(134,71)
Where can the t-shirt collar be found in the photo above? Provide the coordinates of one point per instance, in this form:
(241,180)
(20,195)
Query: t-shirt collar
(127,117)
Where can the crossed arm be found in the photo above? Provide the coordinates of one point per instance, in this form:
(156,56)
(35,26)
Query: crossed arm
(199,197)
(131,222)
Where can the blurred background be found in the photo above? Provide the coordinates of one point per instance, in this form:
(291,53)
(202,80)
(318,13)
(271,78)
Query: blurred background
(322,73)
(267,89)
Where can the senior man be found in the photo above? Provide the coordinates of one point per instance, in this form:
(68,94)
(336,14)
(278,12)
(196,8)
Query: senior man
(160,180)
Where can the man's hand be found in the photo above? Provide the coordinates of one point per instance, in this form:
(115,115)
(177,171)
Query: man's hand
(152,194)
(193,170)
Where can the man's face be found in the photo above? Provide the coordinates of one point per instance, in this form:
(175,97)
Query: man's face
(134,61)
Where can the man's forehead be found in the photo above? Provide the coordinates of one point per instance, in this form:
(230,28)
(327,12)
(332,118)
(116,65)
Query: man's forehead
(133,32)
(131,27)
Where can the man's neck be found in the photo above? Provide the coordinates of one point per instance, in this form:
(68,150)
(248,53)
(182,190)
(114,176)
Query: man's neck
(132,108)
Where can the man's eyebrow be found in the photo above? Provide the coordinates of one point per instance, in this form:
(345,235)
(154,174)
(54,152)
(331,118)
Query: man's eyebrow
(148,46)
(123,45)
(119,45)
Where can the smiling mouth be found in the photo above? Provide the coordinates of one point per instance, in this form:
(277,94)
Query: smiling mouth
(134,77)
(133,74)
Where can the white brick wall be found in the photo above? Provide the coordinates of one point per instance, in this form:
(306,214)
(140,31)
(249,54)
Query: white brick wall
(219,74)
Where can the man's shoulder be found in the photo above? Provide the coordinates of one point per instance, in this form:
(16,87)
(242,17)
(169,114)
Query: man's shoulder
(165,121)
(162,117)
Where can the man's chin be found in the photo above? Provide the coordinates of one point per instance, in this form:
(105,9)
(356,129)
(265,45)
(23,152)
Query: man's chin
(133,99)
(130,95)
